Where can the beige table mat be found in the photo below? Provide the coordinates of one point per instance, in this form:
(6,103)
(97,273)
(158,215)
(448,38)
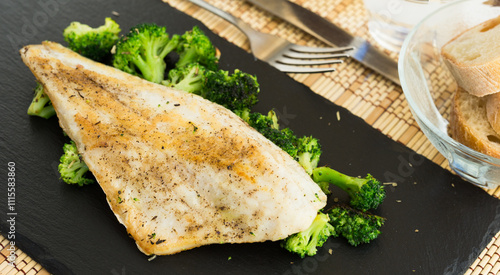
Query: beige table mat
(366,94)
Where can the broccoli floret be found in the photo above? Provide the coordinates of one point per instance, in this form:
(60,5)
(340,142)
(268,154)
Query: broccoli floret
(94,43)
(356,226)
(365,193)
(309,151)
(237,91)
(285,139)
(262,122)
(190,78)
(306,242)
(72,168)
(143,50)
(195,46)
(268,126)
(41,105)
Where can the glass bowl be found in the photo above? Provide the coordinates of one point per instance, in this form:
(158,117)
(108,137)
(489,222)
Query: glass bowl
(429,87)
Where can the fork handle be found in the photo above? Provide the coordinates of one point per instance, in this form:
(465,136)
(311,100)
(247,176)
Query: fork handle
(230,18)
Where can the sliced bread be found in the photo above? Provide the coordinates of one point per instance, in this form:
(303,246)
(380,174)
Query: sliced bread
(493,111)
(469,125)
(473,58)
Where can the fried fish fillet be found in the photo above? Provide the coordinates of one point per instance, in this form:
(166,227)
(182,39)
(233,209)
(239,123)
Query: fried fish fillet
(178,171)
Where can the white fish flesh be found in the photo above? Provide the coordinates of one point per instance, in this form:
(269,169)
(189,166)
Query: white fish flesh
(178,171)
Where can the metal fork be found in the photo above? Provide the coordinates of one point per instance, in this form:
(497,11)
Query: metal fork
(280,53)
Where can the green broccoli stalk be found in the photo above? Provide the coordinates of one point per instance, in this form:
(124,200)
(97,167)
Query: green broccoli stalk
(41,105)
(365,193)
(268,126)
(94,43)
(72,168)
(190,78)
(325,187)
(143,50)
(236,92)
(306,242)
(195,46)
(243,114)
(355,226)
(309,151)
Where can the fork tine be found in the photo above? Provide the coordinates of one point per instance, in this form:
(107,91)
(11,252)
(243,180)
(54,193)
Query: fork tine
(297,69)
(312,55)
(277,51)
(307,49)
(301,62)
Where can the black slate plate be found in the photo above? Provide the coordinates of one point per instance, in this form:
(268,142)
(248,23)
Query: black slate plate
(72,230)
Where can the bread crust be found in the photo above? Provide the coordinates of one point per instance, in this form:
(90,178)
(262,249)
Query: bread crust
(478,79)
(493,111)
(467,111)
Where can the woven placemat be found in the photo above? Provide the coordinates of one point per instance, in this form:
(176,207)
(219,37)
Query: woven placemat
(366,94)
(23,264)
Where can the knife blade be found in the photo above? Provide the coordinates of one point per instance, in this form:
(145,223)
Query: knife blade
(326,31)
